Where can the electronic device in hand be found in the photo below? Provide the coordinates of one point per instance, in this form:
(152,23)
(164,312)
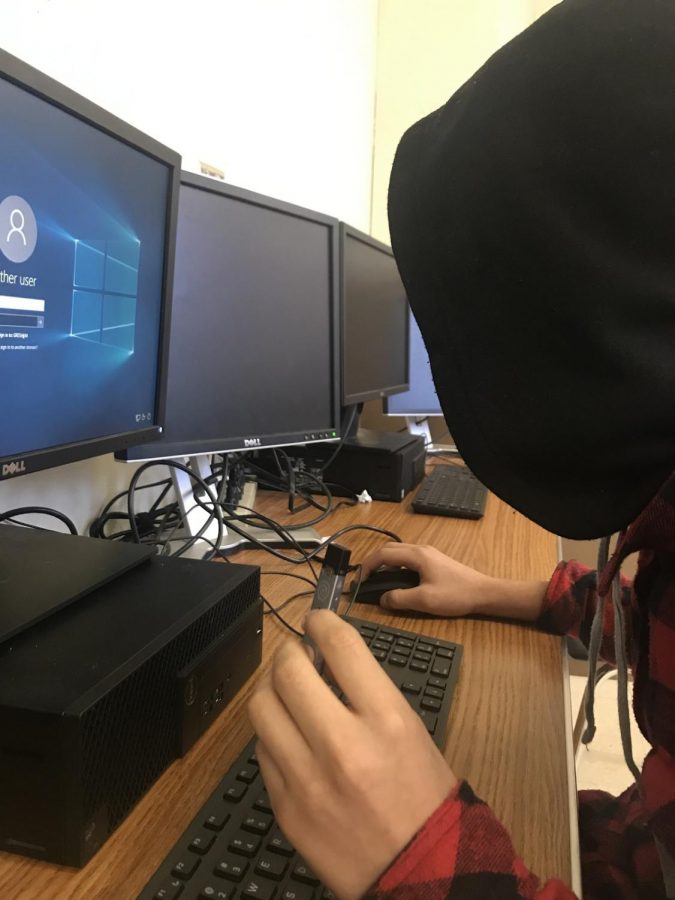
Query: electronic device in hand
(329,588)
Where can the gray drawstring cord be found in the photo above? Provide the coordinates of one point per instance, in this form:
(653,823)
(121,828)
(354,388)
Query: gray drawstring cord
(621,662)
(594,648)
(622,676)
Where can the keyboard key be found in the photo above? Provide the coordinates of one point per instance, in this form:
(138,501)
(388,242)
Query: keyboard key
(186,867)
(169,891)
(445,652)
(378,645)
(257,824)
(202,842)
(409,687)
(418,666)
(297,891)
(278,844)
(247,775)
(440,668)
(379,655)
(430,703)
(216,821)
(385,638)
(263,803)
(231,868)
(244,844)
(235,792)
(434,692)
(405,642)
(272,866)
(211,892)
(303,873)
(425,657)
(397,660)
(259,889)
(436,682)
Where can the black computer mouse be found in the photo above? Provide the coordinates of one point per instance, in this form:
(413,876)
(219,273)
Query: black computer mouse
(383,580)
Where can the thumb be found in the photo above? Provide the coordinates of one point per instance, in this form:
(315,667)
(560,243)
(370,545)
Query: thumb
(400,598)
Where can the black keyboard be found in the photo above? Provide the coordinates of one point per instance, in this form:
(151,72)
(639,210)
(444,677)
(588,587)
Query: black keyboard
(451,491)
(233,850)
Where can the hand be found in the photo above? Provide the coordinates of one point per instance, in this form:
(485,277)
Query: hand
(446,588)
(449,588)
(349,785)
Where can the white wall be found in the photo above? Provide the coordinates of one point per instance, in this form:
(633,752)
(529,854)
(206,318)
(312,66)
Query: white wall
(277,93)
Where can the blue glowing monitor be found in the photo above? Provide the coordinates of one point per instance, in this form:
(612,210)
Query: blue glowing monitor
(420,400)
(87,225)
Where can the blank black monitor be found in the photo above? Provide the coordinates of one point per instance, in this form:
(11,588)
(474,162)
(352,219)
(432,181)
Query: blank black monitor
(421,399)
(87,224)
(374,319)
(253,356)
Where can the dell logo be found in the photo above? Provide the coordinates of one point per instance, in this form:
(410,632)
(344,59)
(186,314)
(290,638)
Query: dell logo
(251,442)
(16,467)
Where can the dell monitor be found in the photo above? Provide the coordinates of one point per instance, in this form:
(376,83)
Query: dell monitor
(87,217)
(253,357)
(374,319)
(87,225)
(420,401)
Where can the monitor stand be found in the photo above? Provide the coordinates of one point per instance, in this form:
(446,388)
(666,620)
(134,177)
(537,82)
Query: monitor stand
(194,518)
(421,427)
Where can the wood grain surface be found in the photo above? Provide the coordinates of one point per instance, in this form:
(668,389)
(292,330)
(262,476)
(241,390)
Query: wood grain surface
(506,732)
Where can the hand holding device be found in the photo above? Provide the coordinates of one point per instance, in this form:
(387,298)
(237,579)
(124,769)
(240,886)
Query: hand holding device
(449,588)
(350,785)
(329,589)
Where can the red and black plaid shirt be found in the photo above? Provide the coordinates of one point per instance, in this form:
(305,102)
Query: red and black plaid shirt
(464,852)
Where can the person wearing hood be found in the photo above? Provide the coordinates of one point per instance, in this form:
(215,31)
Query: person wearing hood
(533,217)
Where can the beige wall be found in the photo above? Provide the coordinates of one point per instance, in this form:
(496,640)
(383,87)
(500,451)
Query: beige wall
(425,51)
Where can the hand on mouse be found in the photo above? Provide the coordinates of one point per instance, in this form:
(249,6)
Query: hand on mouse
(350,786)
(449,588)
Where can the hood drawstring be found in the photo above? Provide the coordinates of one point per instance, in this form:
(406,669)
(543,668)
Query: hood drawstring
(621,662)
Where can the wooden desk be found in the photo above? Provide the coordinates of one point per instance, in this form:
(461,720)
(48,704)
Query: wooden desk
(507,732)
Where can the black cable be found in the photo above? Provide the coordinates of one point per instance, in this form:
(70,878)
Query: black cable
(289,600)
(10,514)
(290,575)
(283,621)
(343,438)
(355,590)
(97,527)
(215,512)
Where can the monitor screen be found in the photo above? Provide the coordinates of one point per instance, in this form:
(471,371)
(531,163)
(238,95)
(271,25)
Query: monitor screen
(420,399)
(253,359)
(374,320)
(87,209)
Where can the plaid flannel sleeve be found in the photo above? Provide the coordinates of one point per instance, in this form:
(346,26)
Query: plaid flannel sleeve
(570,603)
(462,852)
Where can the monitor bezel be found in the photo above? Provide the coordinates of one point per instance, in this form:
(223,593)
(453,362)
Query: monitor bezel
(347,230)
(44,87)
(239,443)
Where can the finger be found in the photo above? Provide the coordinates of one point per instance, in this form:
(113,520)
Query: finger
(404,598)
(277,730)
(271,773)
(393,554)
(313,707)
(353,667)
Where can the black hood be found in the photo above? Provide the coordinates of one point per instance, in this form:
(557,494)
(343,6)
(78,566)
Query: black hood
(533,222)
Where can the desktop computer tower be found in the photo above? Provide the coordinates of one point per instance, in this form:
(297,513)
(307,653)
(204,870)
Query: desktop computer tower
(386,464)
(99,698)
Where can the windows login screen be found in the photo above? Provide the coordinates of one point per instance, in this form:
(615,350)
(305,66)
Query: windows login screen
(82,244)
